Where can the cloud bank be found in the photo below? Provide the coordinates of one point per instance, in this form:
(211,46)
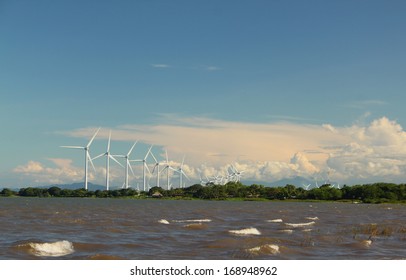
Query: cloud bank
(265,151)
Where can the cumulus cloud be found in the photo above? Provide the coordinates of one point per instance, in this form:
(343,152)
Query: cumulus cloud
(62,173)
(377,151)
(31,167)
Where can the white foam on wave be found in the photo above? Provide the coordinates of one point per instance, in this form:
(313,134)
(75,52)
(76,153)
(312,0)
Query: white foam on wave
(366,243)
(54,249)
(300,224)
(275,221)
(245,231)
(163,221)
(193,221)
(312,218)
(272,249)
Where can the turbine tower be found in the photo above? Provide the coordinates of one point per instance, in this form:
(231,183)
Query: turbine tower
(167,168)
(156,165)
(144,166)
(87,155)
(128,164)
(181,173)
(108,157)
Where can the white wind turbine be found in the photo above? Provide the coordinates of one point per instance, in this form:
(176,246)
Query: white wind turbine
(87,155)
(237,174)
(144,166)
(156,166)
(167,168)
(203,182)
(108,157)
(127,164)
(181,173)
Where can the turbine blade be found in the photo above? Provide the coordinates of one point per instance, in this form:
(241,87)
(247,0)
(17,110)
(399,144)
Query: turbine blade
(91,140)
(166,153)
(173,169)
(110,156)
(108,143)
(129,165)
(149,151)
(184,174)
(91,162)
(120,156)
(99,156)
(152,154)
(72,147)
(129,152)
(145,164)
(162,170)
(155,166)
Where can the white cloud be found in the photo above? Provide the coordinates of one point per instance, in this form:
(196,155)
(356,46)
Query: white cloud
(64,172)
(377,151)
(362,104)
(160,65)
(212,68)
(266,152)
(31,167)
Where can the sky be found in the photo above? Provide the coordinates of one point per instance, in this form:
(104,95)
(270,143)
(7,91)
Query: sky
(276,89)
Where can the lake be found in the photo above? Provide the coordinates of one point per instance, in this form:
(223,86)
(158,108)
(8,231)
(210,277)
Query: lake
(86,228)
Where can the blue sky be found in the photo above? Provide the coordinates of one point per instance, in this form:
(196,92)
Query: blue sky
(248,75)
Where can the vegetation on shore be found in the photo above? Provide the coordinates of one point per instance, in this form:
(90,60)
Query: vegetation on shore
(367,193)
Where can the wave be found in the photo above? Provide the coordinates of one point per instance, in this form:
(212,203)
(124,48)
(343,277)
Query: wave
(54,249)
(246,231)
(267,249)
(300,224)
(312,218)
(275,221)
(193,221)
(366,243)
(163,221)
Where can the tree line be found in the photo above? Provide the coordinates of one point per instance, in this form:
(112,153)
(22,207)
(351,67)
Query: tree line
(367,193)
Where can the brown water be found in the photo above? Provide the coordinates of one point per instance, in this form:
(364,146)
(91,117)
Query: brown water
(75,228)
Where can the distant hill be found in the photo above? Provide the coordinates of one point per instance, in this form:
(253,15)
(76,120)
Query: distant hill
(75,186)
(296,181)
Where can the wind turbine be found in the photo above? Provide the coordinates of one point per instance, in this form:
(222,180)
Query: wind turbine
(144,166)
(156,165)
(87,155)
(108,157)
(236,173)
(128,164)
(306,187)
(167,168)
(181,173)
(202,182)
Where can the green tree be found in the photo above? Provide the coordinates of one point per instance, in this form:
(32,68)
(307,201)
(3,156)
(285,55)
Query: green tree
(54,191)
(7,192)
